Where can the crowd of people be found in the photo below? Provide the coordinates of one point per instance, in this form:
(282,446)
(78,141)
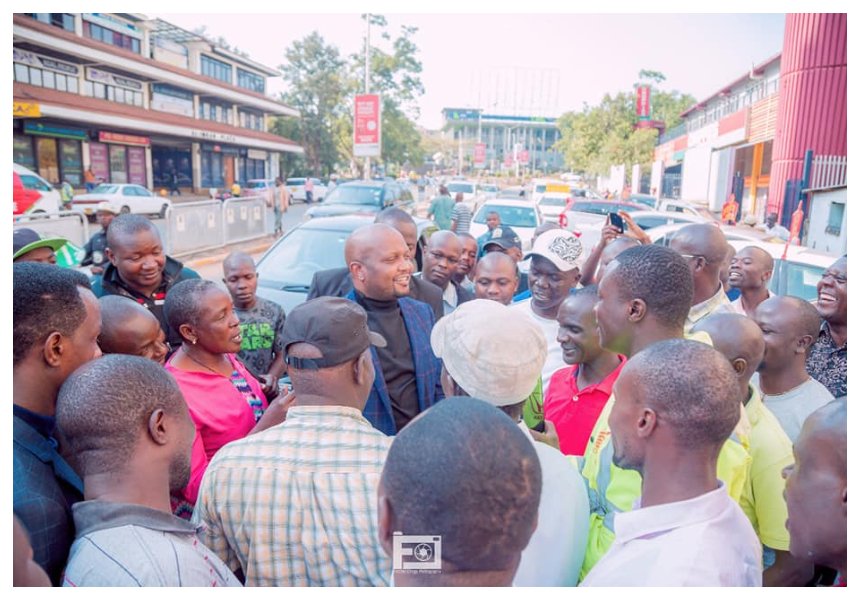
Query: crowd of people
(546,418)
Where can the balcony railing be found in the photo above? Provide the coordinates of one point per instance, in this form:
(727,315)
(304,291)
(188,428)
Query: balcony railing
(828,172)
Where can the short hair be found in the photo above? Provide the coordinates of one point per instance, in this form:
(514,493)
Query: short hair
(692,387)
(129,224)
(182,305)
(660,277)
(392,214)
(468,236)
(807,319)
(104,406)
(587,291)
(477,487)
(493,212)
(115,311)
(45,298)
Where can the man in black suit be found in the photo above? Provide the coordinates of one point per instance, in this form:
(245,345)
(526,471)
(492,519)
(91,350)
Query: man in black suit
(441,259)
(337,282)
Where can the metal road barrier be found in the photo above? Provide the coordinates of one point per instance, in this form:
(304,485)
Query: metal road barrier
(244,218)
(194,226)
(210,224)
(69,224)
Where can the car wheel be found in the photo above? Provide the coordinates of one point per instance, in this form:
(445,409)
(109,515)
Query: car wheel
(163,212)
(125,210)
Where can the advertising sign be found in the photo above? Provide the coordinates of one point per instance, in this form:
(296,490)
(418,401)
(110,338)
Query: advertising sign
(137,166)
(367,126)
(480,154)
(643,102)
(99,161)
(523,156)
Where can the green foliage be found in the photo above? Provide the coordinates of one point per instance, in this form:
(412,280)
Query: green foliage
(600,136)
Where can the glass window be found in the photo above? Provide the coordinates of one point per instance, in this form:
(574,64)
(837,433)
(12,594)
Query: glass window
(35,76)
(46,149)
(300,254)
(72,84)
(99,90)
(118,172)
(835,218)
(512,216)
(216,69)
(48,79)
(71,166)
(61,82)
(250,81)
(22,73)
(22,151)
(349,194)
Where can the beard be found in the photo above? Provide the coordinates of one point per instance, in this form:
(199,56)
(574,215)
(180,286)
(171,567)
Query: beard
(180,472)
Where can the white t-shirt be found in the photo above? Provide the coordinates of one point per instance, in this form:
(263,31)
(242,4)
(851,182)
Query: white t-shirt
(554,355)
(792,407)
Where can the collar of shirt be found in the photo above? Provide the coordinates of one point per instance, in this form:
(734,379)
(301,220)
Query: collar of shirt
(321,414)
(754,405)
(703,309)
(824,332)
(654,520)
(42,424)
(604,386)
(95,515)
(449,294)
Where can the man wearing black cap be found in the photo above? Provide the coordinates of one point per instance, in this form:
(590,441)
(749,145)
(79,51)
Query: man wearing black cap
(305,491)
(29,246)
(504,239)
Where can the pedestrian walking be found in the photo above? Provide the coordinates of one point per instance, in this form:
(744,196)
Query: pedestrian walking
(309,190)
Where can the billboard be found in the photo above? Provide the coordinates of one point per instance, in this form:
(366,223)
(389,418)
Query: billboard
(643,102)
(367,126)
(480,154)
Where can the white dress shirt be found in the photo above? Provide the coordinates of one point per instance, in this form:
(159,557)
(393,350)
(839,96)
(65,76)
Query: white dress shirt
(555,552)
(704,541)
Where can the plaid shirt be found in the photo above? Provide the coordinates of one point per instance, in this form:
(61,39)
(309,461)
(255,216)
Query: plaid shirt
(295,505)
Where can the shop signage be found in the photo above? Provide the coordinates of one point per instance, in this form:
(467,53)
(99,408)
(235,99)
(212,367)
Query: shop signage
(229,150)
(137,166)
(111,79)
(210,135)
(123,138)
(49,129)
(367,126)
(26,109)
(257,154)
(43,62)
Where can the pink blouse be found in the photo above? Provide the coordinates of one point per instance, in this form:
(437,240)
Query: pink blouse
(221,414)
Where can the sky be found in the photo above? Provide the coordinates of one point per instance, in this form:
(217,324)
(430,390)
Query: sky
(526,64)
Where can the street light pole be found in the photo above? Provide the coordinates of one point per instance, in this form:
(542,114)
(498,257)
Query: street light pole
(367,83)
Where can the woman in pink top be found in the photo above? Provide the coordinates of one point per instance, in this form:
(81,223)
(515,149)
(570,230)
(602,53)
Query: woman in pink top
(225,401)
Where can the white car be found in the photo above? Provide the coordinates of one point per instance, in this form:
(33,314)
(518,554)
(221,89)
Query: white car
(49,199)
(522,217)
(542,186)
(648,219)
(125,197)
(552,204)
(296,186)
(469,190)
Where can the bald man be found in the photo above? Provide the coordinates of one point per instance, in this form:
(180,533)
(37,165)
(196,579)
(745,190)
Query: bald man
(790,327)
(496,277)
(750,272)
(338,282)
(129,328)
(669,425)
(261,322)
(441,260)
(740,340)
(406,371)
(704,247)
(816,489)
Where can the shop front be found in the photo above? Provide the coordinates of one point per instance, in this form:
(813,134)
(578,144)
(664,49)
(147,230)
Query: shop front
(218,165)
(167,158)
(119,158)
(51,149)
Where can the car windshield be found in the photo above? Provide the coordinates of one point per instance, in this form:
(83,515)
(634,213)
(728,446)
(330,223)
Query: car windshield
(104,188)
(466,188)
(643,199)
(603,208)
(552,201)
(300,254)
(800,280)
(649,222)
(512,216)
(354,194)
(489,188)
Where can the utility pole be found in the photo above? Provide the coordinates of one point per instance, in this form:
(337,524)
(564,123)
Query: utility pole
(367,83)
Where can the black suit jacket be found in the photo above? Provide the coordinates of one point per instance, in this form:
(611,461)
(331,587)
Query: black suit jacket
(337,282)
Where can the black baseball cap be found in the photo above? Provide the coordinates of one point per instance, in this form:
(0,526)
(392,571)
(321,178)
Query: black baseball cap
(337,327)
(25,240)
(505,237)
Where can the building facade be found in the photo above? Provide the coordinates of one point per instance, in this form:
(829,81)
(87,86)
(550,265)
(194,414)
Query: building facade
(508,139)
(139,100)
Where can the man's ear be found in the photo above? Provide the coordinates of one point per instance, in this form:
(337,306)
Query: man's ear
(186,331)
(646,423)
(739,365)
(636,310)
(110,256)
(157,427)
(804,343)
(356,270)
(53,348)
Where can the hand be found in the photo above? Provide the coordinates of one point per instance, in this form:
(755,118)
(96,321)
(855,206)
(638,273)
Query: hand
(548,437)
(269,383)
(608,233)
(633,230)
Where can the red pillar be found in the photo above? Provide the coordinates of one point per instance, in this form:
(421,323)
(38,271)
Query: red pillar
(813,107)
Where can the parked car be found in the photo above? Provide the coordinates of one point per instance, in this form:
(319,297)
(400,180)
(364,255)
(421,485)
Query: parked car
(258,187)
(469,190)
(541,186)
(286,269)
(126,197)
(522,217)
(296,185)
(31,194)
(648,219)
(672,205)
(552,204)
(512,193)
(798,273)
(364,197)
(488,191)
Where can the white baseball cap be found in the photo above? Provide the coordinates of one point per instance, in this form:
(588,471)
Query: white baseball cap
(559,246)
(493,352)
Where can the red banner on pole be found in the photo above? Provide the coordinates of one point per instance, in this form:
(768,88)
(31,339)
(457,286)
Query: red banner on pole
(367,129)
(480,154)
(523,156)
(643,102)
(509,160)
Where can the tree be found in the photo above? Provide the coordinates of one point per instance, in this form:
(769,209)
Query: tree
(600,136)
(220,41)
(317,77)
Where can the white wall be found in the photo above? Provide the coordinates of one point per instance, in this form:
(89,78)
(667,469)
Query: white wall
(819,217)
(695,174)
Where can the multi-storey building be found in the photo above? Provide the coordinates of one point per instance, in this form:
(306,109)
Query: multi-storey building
(508,138)
(137,99)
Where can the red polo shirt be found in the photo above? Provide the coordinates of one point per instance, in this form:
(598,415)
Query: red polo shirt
(573,411)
